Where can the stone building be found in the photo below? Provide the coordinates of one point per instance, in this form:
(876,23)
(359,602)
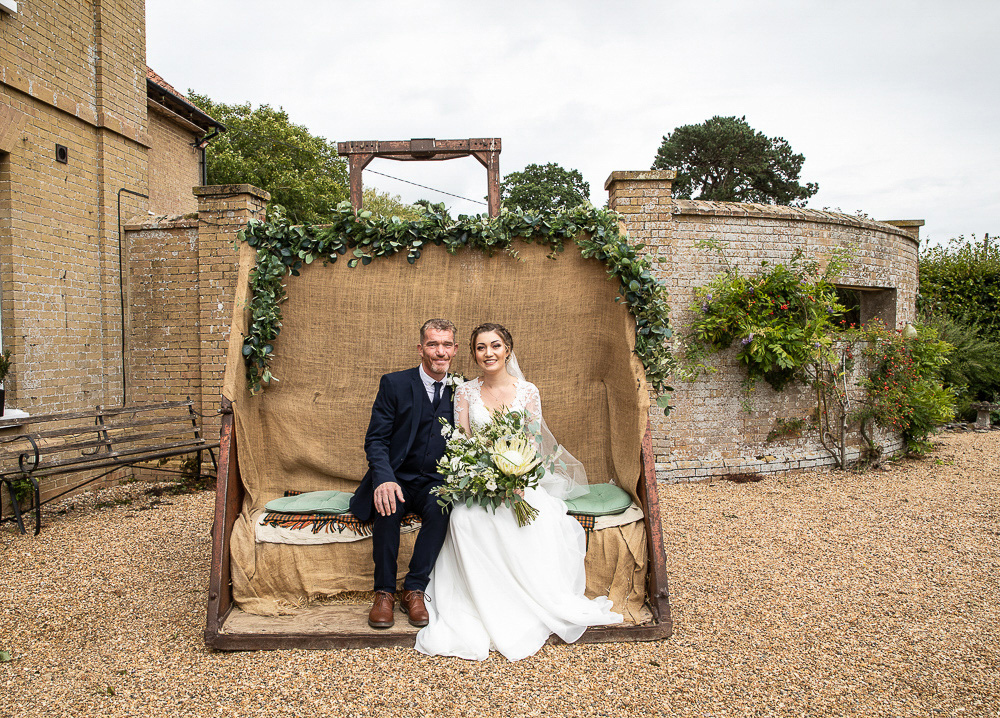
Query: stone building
(178,136)
(708,432)
(89,136)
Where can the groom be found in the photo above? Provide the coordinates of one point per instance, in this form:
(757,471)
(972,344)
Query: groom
(403,445)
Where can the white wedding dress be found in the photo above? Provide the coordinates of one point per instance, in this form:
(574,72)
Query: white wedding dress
(499,585)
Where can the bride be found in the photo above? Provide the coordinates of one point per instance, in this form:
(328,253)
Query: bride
(495,584)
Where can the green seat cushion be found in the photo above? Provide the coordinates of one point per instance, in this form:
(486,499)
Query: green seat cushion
(602,500)
(312,502)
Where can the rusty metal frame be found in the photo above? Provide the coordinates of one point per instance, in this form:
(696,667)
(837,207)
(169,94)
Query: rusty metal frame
(360,153)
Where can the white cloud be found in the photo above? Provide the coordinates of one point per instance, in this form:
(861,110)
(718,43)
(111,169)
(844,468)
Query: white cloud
(892,102)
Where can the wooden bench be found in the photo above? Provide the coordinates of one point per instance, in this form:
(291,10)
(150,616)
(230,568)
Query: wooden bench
(102,439)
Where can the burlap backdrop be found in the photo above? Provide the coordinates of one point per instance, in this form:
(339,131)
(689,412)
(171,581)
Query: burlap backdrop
(343,328)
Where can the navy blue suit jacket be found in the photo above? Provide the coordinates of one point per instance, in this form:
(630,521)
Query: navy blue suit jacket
(391,431)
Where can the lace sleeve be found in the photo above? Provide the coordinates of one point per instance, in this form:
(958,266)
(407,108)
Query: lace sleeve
(533,402)
(461,406)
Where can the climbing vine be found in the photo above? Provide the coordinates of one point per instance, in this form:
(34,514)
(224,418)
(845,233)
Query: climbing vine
(361,238)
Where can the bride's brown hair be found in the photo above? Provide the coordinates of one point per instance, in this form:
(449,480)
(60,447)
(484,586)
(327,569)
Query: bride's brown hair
(505,336)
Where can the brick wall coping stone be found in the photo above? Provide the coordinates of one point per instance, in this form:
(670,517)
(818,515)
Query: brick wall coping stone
(166,221)
(231,189)
(700,207)
(639,176)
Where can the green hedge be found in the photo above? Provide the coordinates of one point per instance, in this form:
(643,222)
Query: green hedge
(962,279)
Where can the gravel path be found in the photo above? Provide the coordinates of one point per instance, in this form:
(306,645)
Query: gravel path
(839,594)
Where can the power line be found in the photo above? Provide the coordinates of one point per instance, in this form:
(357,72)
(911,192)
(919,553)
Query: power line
(423,186)
(301,151)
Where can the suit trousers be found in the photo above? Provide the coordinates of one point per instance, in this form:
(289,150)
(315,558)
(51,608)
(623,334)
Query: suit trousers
(418,499)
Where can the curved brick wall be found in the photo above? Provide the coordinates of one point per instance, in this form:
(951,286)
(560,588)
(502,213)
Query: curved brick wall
(708,433)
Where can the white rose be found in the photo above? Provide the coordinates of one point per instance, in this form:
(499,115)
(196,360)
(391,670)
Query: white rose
(491,485)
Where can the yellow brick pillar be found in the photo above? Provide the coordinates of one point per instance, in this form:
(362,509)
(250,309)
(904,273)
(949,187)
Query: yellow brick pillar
(223,210)
(643,199)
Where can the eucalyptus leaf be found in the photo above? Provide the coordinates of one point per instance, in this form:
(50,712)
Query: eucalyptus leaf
(282,248)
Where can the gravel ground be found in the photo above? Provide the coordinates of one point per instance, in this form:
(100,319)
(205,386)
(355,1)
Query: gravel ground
(838,594)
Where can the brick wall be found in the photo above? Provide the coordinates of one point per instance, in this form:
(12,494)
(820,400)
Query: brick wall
(708,433)
(174,166)
(72,75)
(164,352)
(223,210)
(182,274)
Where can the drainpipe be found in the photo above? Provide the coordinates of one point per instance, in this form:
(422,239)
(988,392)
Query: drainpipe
(121,278)
(202,145)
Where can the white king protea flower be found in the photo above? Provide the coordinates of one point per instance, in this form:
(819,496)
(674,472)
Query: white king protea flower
(514,455)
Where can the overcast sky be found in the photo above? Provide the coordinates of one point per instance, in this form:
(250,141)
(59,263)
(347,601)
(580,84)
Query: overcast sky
(894,104)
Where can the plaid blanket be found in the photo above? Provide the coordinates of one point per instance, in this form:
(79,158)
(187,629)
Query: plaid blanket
(330,523)
(338,523)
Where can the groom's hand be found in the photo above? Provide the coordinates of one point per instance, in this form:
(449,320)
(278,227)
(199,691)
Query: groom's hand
(386,496)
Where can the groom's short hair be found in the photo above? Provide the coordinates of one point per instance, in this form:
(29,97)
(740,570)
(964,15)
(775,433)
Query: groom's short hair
(442,325)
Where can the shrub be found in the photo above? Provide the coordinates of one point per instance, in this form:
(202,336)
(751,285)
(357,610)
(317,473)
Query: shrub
(903,388)
(973,368)
(782,316)
(962,280)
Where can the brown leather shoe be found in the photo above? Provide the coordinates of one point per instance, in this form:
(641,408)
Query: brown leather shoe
(381,615)
(412,603)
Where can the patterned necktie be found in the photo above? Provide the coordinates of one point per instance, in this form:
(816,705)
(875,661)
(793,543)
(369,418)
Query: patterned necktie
(437,394)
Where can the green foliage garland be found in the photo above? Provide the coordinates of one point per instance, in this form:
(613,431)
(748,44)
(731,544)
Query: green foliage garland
(282,249)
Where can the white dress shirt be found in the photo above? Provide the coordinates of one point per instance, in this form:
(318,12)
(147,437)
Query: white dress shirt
(428,381)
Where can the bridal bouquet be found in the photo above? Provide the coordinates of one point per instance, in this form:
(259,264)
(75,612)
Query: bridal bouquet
(490,467)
